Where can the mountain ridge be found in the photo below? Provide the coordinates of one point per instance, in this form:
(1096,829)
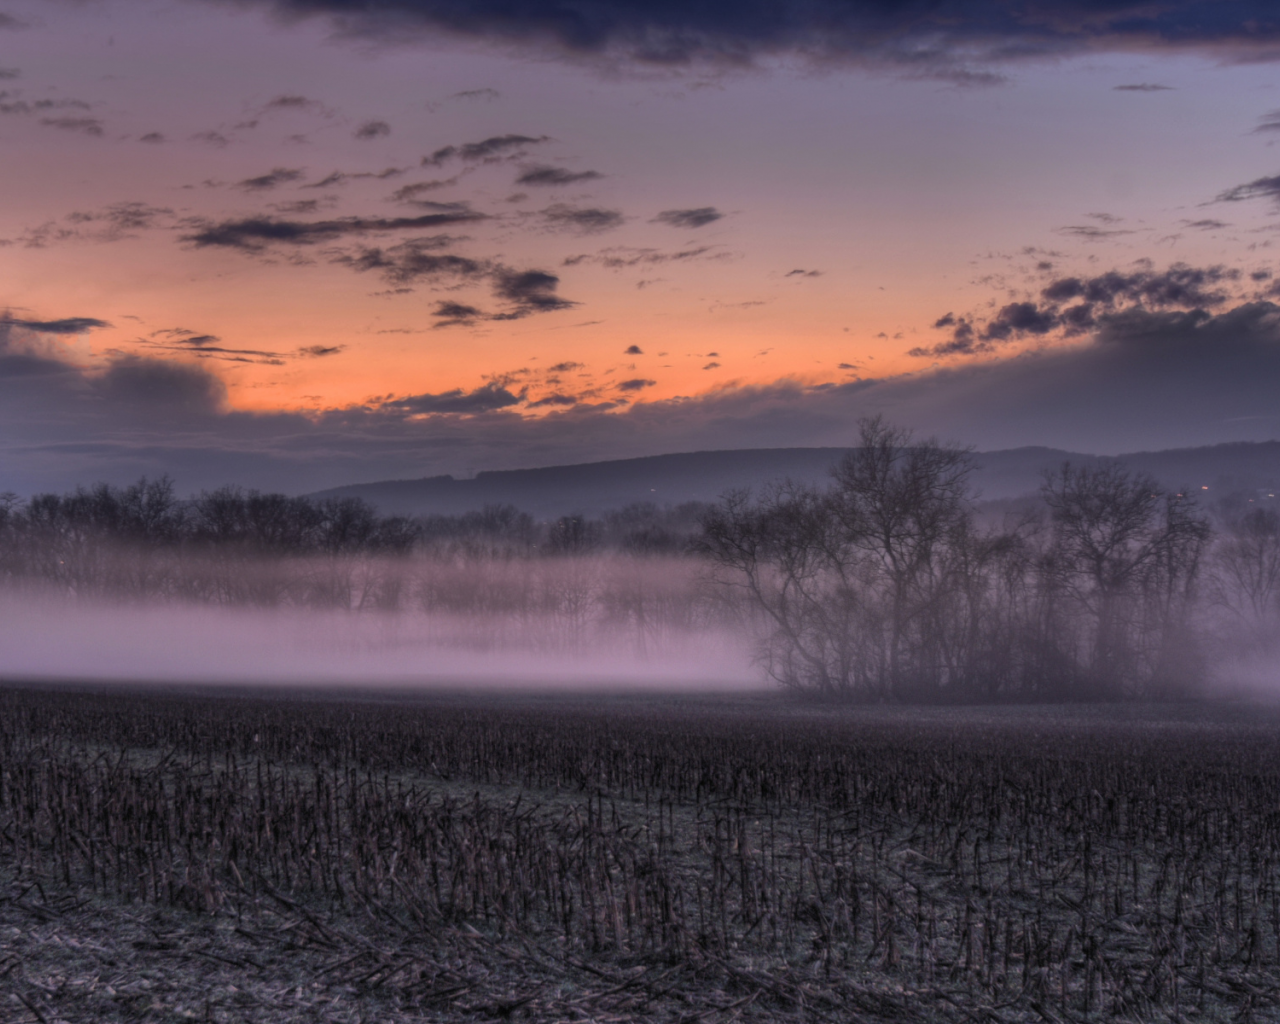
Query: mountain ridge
(590,488)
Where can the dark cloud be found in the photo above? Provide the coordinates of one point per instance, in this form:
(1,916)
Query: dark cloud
(483,399)
(274,179)
(8,74)
(373,130)
(1206,224)
(1091,232)
(208,346)
(410,193)
(297,207)
(526,292)
(156,385)
(546,175)
(1259,188)
(1018,319)
(13,103)
(152,137)
(486,94)
(620,257)
(1269,122)
(531,291)
(1179,285)
(320,351)
(403,264)
(1142,87)
(588,220)
(633,350)
(342,177)
(696,218)
(414,260)
(291,102)
(254,234)
(712,366)
(565,367)
(486,149)
(555,399)
(457,314)
(110,224)
(635,384)
(803,273)
(83,125)
(68,325)
(1074,305)
(946,40)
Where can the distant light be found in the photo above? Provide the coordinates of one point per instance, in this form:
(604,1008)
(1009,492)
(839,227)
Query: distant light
(1204,488)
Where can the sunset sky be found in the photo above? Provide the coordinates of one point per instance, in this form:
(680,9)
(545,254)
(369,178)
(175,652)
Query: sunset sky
(304,243)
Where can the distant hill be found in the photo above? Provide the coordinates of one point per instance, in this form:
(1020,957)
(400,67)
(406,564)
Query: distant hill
(591,488)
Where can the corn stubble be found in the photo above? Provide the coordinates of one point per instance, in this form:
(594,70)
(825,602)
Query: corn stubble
(169,857)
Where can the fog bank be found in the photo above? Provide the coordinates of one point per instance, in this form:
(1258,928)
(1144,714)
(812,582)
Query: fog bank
(53,638)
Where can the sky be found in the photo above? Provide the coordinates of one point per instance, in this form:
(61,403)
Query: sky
(304,243)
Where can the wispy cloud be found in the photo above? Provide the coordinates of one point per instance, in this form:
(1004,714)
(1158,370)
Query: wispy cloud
(487,398)
(67,325)
(582,220)
(254,234)
(1071,306)
(622,257)
(272,179)
(543,175)
(699,217)
(486,149)
(1259,188)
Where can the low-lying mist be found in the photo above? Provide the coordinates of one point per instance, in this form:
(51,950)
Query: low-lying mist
(891,585)
(55,637)
(134,583)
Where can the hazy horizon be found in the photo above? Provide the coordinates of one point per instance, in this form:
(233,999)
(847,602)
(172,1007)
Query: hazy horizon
(293,243)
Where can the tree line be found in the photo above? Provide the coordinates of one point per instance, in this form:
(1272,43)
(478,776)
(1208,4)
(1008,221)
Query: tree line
(148,516)
(500,576)
(888,584)
(891,583)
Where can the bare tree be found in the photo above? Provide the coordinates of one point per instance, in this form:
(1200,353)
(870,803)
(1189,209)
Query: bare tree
(905,507)
(1245,576)
(855,581)
(1127,556)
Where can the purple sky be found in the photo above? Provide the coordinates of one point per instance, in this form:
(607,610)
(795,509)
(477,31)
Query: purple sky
(292,246)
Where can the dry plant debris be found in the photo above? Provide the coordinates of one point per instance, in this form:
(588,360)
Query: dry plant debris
(168,857)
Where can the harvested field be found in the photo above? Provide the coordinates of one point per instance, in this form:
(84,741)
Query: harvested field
(308,857)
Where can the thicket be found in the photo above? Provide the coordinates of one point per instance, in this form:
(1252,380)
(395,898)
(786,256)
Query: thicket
(888,584)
